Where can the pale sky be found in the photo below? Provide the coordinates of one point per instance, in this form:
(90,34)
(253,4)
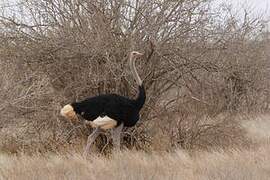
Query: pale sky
(257,6)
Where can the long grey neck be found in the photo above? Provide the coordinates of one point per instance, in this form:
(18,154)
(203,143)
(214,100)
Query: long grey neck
(134,70)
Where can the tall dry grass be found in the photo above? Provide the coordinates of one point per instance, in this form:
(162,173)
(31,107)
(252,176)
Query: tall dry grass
(134,165)
(233,163)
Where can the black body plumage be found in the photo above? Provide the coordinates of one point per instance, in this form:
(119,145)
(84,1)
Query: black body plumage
(119,108)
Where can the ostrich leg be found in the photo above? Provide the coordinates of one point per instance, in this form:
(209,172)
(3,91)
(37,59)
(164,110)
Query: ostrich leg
(91,138)
(116,136)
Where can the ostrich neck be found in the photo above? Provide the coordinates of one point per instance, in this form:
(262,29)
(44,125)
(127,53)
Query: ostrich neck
(134,70)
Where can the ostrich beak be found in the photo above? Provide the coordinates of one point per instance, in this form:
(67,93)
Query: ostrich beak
(140,54)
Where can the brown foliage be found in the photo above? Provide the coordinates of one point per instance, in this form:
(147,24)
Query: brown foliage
(68,50)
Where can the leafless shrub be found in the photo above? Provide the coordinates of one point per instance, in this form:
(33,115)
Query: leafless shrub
(189,127)
(66,50)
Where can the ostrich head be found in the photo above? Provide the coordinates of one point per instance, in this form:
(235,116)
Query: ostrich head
(68,112)
(136,54)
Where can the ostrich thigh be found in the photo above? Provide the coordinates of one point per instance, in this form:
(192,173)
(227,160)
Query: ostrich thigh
(104,123)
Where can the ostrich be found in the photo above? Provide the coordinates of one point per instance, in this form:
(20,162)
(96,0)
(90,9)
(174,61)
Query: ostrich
(108,111)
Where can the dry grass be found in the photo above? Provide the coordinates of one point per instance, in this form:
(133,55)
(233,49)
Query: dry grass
(246,164)
(235,164)
(257,128)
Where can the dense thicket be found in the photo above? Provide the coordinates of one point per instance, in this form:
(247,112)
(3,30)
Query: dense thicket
(199,63)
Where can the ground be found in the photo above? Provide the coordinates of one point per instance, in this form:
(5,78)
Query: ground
(241,164)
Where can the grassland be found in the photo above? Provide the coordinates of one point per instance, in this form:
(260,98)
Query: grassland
(234,164)
(237,163)
(205,71)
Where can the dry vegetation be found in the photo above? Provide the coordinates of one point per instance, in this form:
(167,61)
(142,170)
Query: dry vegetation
(238,165)
(206,71)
